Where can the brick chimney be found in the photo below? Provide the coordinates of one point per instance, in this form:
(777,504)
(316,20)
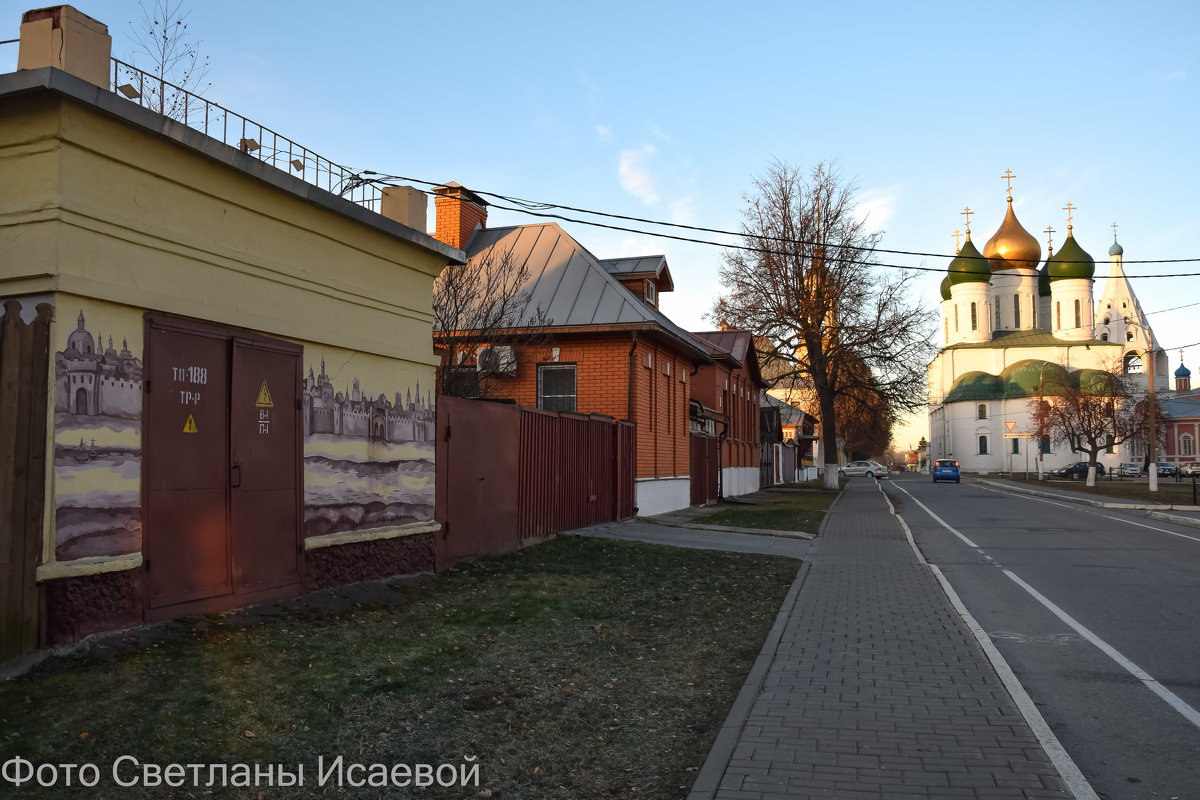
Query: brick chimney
(64,38)
(459,212)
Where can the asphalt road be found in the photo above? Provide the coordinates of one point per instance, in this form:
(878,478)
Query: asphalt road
(1121,686)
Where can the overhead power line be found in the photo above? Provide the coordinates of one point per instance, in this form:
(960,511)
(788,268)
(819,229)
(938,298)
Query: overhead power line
(546,210)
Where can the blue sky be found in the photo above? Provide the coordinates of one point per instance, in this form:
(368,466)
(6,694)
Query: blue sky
(666,110)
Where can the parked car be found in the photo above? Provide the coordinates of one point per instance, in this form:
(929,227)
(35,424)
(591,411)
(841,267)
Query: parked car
(1130,469)
(1190,469)
(1076,471)
(1166,469)
(863,469)
(946,469)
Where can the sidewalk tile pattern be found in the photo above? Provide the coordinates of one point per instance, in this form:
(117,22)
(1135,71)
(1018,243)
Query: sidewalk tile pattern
(878,689)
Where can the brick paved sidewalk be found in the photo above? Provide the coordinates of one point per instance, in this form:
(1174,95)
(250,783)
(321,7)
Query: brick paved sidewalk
(876,688)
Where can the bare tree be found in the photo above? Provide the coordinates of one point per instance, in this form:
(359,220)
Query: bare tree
(165,47)
(483,313)
(1090,411)
(808,281)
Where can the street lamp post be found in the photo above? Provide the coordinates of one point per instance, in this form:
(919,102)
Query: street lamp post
(1152,446)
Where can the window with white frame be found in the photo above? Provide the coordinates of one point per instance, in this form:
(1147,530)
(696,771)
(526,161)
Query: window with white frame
(983,445)
(651,292)
(982,411)
(556,387)
(1186,445)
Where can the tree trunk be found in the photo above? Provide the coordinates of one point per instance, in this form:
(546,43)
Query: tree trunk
(829,446)
(1091,475)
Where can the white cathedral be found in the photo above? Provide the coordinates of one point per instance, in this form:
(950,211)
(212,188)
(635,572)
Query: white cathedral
(1008,325)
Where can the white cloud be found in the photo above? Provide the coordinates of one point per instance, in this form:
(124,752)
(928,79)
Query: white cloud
(876,206)
(634,172)
(604,134)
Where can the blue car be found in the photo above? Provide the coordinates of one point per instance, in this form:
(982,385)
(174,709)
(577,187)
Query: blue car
(946,469)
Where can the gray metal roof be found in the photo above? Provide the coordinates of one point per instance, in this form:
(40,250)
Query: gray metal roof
(641,267)
(570,284)
(736,343)
(1180,406)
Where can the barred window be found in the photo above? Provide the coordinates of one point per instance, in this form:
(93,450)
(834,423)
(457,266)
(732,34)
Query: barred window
(556,387)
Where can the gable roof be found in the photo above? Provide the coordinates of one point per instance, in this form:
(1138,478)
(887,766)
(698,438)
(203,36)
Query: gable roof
(571,286)
(737,345)
(641,267)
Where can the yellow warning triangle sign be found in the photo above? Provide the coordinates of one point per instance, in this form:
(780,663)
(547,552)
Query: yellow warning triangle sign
(264,397)
(190,425)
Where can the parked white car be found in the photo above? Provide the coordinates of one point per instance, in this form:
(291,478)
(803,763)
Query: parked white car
(1130,470)
(1188,470)
(863,469)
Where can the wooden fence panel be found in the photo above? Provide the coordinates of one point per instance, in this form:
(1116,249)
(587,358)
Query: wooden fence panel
(24,377)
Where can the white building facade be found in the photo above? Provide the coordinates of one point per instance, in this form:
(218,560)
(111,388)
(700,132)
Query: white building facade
(1011,328)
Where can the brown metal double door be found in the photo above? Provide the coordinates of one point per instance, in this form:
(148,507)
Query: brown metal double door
(222,472)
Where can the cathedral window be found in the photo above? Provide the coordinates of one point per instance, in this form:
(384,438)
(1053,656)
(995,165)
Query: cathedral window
(1016,447)
(1109,446)
(983,445)
(997,316)
(956,319)
(1133,364)
(1186,447)
(1078,318)
(1045,445)
(946,325)
(1058,315)
(983,411)
(1016,310)
(1129,336)
(974,318)
(1104,337)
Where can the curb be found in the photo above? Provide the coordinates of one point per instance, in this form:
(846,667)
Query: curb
(708,779)
(1178,520)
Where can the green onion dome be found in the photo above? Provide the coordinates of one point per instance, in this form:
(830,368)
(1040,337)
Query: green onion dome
(969,266)
(945,287)
(1098,383)
(1012,247)
(1044,280)
(1071,261)
(1116,250)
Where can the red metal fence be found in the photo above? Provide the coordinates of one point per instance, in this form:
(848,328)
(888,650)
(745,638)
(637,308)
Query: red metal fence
(509,476)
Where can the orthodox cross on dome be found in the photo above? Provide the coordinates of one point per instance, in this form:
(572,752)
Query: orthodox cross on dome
(1050,237)
(1069,208)
(1008,176)
(967,212)
(957,233)
(1114,227)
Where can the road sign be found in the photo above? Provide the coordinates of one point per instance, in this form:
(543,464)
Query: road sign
(1010,426)
(1019,435)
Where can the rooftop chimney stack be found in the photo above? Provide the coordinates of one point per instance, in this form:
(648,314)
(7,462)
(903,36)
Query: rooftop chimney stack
(407,205)
(459,212)
(64,38)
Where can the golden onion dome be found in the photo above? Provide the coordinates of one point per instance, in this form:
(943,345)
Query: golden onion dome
(1012,247)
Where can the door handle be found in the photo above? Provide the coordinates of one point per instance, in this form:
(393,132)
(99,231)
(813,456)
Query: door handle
(235,476)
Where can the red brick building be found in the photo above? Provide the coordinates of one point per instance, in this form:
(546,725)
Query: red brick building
(607,348)
(728,391)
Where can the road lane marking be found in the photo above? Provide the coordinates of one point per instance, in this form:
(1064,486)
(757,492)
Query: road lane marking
(1088,511)
(1072,776)
(1171,699)
(939,519)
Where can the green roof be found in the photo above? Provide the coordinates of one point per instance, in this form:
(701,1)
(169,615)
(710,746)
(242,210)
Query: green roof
(1030,377)
(945,287)
(975,386)
(1034,338)
(969,266)
(1071,261)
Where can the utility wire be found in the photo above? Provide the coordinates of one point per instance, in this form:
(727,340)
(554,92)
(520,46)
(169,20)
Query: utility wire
(537,208)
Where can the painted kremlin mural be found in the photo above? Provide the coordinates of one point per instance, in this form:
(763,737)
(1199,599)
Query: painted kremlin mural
(368,459)
(97,444)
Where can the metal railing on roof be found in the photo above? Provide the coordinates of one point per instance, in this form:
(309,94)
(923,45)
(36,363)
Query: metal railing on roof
(252,138)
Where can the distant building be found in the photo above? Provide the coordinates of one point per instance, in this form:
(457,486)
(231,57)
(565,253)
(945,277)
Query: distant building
(352,413)
(1009,326)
